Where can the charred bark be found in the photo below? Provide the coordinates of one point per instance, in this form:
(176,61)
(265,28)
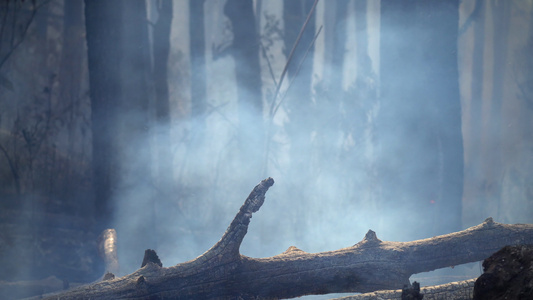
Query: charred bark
(103,36)
(370,265)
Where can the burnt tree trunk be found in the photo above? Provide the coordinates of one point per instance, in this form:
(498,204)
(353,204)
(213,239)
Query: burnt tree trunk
(245,52)
(370,265)
(118,61)
(103,24)
(161,49)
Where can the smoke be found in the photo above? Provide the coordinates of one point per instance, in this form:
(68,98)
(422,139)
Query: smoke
(349,159)
(351,177)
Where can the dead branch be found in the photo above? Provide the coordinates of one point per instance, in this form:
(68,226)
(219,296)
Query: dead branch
(370,265)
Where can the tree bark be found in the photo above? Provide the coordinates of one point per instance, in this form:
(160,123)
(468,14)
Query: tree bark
(198,66)
(118,60)
(299,103)
(370,265)
(420,115)
(103,25)
(245,52)
(474,169)
(161,49)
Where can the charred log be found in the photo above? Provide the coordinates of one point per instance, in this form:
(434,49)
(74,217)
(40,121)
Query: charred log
(370,265)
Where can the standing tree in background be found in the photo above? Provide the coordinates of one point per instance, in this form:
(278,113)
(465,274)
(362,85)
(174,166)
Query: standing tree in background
(492,138)
(103,21)
(74,102)
(420,121)
(198,67)
(118,52)
(299,100)
(330,88)
(358,107)
(161,49)
(328,94)
(473,164)
(245,51)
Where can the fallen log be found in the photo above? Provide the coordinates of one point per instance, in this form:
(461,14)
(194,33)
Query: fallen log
(370,265)
(458,290)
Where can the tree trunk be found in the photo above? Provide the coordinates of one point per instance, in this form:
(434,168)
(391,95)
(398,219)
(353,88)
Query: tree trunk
(493,137)
(299,103)
(420,121)
(161,49)
(103,22)
(198,67)
(474,168)
(245,51)
(134,193)
(70,79)
(118,51)
(370,265)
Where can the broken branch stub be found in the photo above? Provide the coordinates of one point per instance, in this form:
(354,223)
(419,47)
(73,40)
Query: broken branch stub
(230,242)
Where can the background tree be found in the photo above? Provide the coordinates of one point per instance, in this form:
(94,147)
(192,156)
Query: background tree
(198,72)
(493,135)
(74,104)
(161,48)
(103,23)
(420,123)
(117,39)
(474,121)
(245,51)
(298,99)
(358,109)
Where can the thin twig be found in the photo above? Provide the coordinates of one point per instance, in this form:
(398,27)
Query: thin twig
(273,106)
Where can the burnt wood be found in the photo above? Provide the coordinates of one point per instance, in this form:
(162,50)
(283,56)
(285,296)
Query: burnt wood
(370,265)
